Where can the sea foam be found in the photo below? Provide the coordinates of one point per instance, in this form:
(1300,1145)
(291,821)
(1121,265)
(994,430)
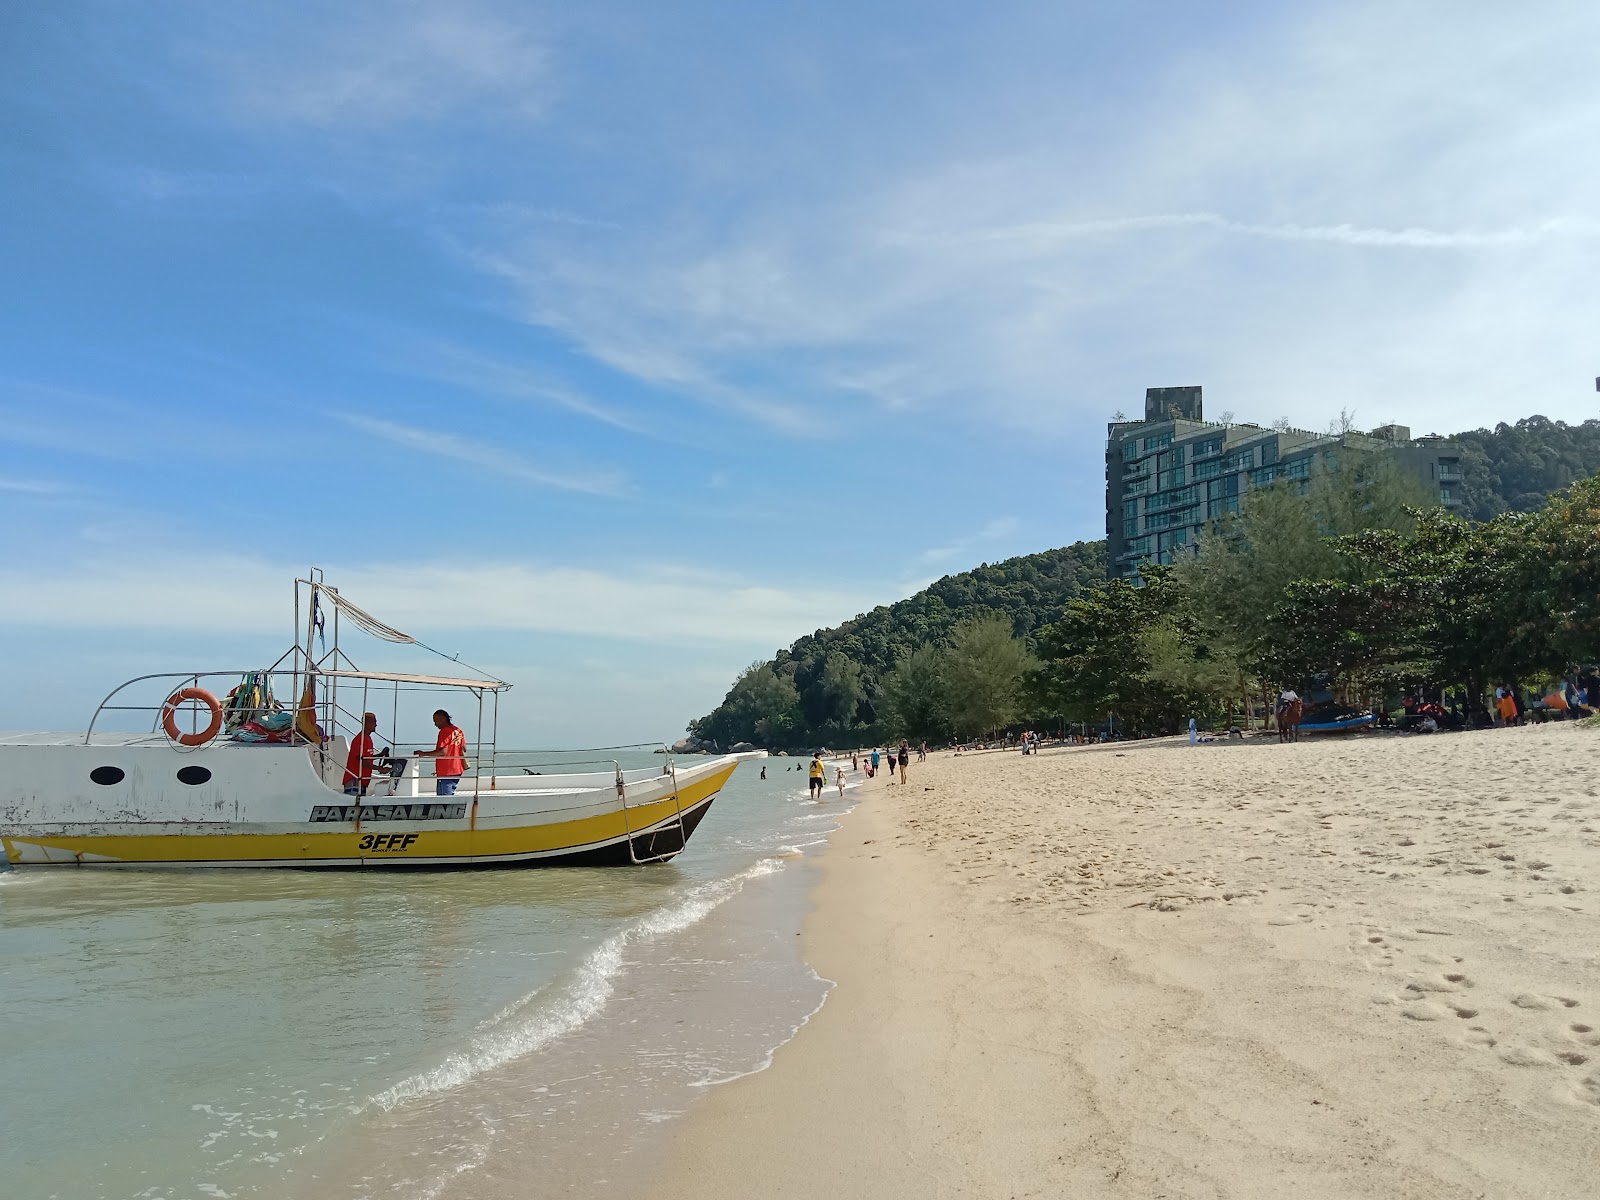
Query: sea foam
(556,1009)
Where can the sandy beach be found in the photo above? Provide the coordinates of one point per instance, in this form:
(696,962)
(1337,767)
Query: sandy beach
(1365,967)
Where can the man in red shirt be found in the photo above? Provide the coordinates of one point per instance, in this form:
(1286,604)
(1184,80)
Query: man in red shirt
(449,755)
(358,767)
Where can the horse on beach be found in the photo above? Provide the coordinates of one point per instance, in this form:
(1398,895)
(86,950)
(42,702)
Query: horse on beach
(1289,714)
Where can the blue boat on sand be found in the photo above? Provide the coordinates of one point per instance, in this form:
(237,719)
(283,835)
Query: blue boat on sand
(1338,724)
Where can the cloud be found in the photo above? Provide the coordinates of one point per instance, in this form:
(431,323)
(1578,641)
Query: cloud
(970,270)
(32,487)
(994,531)
(431,600)
(595,482)
(491,376)
(378,64)
(1041,235)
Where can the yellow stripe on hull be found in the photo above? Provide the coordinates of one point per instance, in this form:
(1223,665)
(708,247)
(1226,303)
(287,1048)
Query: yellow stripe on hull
(419,842)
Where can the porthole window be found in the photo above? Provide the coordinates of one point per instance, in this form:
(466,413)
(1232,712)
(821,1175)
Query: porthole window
(106,776)
(193,776)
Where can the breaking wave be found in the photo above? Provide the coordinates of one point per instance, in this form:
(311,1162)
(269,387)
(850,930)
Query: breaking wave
(559,1008)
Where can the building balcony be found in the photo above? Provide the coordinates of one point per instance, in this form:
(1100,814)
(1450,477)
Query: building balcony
(1449,474)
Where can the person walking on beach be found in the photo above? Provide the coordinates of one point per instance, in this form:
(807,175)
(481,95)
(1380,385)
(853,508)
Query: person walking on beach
(905,758)
(449,755)
(839,778)
(819,775)
(873,770)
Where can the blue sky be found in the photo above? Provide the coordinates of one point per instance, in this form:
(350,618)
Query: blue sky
(614,345)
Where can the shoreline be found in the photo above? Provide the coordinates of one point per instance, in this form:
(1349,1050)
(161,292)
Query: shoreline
(1333,969)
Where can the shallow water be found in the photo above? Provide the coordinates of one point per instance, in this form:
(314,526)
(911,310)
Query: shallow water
(345,1034)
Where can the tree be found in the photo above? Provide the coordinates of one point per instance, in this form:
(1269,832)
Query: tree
(983,670)
(1130,652)
(912,701)
(1553,584)
(1184,669)
(1091,659)
(762,707)
(1237,583)
(1029,591)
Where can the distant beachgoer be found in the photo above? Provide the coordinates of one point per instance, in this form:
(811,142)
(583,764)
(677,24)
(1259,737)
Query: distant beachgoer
(905,757)
(449,754)
(1508,709)
(874,770)
(922,752)
(855,761)
(763,770)
(1194,731)
(819,775)
(838,777)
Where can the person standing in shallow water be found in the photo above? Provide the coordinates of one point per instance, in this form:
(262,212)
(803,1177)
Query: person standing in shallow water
(905,758)
(819,776)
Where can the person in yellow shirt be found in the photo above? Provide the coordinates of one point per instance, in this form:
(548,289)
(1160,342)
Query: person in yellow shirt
(819,775)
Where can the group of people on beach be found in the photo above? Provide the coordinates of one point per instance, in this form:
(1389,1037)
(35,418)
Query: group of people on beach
(869,764)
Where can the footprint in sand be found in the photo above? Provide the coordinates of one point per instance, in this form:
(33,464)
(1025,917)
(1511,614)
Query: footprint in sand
(1527,1056)
(1425,1010)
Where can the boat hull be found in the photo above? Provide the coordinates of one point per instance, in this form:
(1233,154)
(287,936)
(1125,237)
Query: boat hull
(1342,726)
(571,821)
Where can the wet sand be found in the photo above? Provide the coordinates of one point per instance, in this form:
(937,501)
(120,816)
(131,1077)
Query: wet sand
(1366,967)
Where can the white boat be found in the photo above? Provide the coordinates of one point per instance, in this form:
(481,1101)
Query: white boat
(260,786)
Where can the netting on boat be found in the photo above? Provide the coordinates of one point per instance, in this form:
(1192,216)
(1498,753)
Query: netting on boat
(365,620)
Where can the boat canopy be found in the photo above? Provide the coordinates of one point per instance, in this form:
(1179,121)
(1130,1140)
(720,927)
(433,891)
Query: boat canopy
(483,685)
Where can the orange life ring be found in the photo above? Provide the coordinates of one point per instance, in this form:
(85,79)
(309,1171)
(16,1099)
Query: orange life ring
(169,716)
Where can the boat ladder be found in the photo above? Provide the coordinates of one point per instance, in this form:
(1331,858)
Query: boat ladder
(647,847)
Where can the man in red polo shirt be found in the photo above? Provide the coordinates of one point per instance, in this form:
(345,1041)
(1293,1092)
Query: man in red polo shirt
(358,767)
(449,755)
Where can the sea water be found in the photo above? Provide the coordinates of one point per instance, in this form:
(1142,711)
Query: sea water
(175,1034)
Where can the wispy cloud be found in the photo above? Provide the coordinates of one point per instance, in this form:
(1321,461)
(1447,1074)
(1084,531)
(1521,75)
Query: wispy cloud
(379,63)
(506,464)
(32,487)
(1043,234)
(236,595)
(994,531)
(977,277)
(492,376)
(589,306)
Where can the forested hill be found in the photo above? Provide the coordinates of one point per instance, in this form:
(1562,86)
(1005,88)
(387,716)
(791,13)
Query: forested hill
(822,689)
(836,671)
(1514,468)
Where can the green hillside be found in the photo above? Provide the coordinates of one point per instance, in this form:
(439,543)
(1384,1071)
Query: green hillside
(822,689)
(1515,468)
(834,673)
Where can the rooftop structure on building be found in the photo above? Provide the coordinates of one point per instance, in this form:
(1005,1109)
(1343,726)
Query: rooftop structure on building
(1169,476)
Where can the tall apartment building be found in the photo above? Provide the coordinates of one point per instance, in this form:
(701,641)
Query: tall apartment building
(1174,472)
